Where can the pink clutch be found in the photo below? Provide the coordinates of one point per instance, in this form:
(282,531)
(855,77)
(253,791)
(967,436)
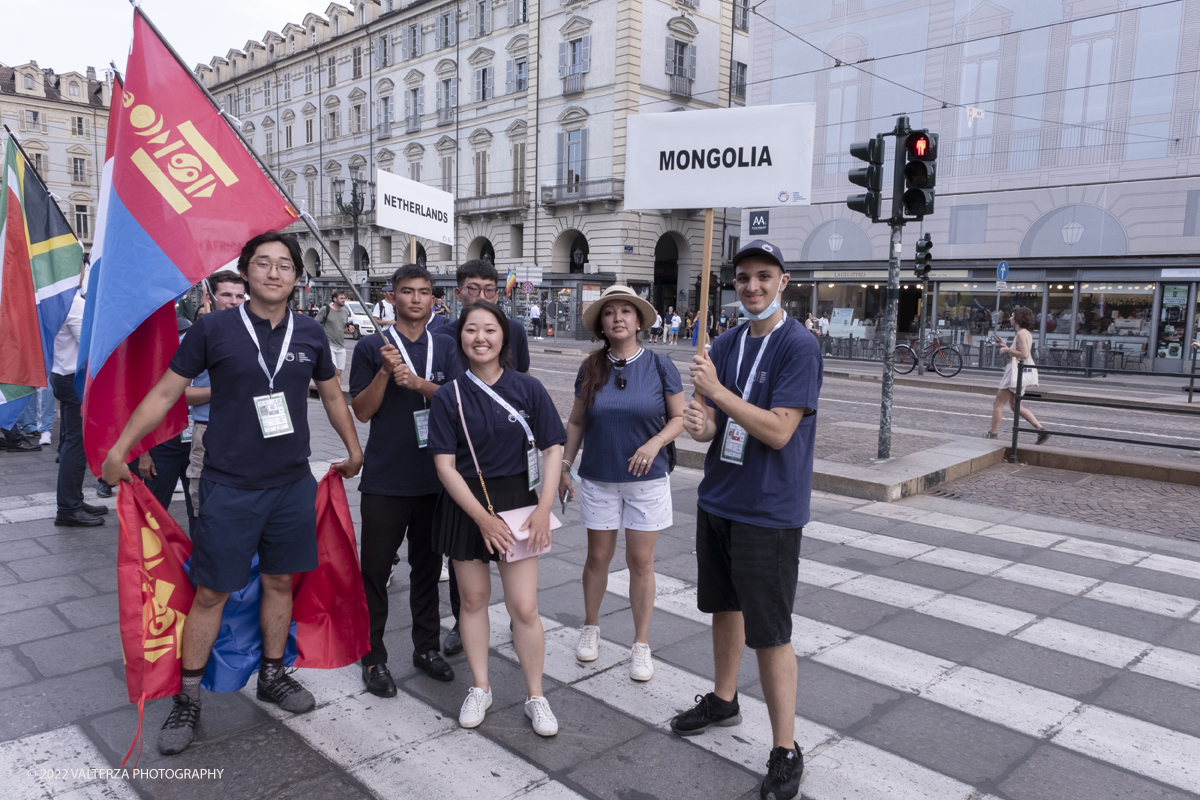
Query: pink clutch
(521,548)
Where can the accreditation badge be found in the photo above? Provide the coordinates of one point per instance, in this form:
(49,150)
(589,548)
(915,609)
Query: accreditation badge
(733,443)
(421,422)
(532,469)
(273,416)
(186,436)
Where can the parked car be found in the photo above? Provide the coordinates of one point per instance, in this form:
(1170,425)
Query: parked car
(360,323)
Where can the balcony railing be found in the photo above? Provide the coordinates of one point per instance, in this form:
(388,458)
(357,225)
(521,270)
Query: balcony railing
(340,220)
(492,204)
(681,86)
(573,84)
(445,116)
(383,130)
(412,124)
(602,190)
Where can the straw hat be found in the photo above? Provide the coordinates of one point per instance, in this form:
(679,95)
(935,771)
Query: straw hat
(645,311)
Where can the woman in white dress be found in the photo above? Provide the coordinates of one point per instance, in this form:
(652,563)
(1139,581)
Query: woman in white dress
(1021,350)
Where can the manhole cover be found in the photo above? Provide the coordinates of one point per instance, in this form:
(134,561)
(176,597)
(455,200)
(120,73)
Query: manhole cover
(1051,475)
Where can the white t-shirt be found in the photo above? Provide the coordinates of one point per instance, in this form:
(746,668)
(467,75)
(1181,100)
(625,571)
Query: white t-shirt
(384,311)
(658,320)
(675,321)
(535,312)
(824,323)
(66,341)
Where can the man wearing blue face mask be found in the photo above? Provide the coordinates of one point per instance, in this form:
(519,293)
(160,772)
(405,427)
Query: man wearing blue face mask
(756,402)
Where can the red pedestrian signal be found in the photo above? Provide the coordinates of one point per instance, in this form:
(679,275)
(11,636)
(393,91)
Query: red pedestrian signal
(921,146)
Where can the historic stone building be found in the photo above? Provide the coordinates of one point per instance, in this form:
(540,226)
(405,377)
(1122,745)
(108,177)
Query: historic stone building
(515,106)
(61,122)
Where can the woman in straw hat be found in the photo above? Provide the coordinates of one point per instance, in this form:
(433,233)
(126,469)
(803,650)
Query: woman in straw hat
(628,408)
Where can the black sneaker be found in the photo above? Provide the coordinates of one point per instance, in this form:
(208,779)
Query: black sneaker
(710,710)
(784,769)
(180,728)
(286,692)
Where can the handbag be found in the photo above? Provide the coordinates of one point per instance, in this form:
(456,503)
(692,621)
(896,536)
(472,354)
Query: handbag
(513,518)
(672,452)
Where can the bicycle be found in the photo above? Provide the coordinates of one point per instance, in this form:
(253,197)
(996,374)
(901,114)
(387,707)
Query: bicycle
(946,361)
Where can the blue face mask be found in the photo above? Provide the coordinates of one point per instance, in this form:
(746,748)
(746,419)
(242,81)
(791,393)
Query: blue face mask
(769,310)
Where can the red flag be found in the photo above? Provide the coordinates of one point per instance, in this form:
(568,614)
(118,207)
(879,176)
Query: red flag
(329,604)
(154,596)
(21,358)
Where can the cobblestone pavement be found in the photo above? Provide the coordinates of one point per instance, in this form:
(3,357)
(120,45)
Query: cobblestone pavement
(1166,509)
(947,649)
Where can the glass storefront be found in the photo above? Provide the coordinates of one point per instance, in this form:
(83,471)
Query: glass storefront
(1172,321)
(1115,317)
(797,300)
(853,309)
(969,312)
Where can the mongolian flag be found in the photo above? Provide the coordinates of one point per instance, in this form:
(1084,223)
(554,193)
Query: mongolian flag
(180,196)
(40,262)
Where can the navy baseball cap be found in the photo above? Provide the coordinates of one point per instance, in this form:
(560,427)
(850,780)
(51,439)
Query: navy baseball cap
(763,248)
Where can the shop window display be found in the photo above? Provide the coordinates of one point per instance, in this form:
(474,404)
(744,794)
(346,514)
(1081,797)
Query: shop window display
(1116,316)
(1172,321)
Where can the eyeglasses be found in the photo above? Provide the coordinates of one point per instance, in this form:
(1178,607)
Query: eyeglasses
(475,290)
(266,265)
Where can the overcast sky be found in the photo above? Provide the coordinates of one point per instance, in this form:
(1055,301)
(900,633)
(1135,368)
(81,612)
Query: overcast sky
(70,35)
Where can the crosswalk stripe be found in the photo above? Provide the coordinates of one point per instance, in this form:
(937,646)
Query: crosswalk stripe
(836,767)
(1060,542)
(1012,704)
(1119,594)
(57,763)
(1054,634)
(402,747)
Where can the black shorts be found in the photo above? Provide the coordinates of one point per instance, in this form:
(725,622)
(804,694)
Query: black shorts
(746,568)
(279,524)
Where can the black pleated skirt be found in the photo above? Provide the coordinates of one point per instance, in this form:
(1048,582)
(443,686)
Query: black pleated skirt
(456,535)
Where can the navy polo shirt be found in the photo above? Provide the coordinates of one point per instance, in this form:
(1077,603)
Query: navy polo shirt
(500,441)
(235,452)
(772,488)
(622,420)
(393,465)
(518,341)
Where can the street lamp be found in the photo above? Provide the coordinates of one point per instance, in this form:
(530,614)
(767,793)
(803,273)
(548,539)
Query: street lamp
(357,205)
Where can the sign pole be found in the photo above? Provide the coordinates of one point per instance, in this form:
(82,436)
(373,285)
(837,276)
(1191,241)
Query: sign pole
(412,249)
(705,261)
(893,294)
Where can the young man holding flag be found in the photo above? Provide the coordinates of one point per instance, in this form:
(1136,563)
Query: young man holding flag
(257,492)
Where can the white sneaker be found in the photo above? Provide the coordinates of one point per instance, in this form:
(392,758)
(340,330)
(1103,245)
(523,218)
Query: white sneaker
(46,437)
(445,573)
(589,643)
(538,710)
(475,707)
(641,668)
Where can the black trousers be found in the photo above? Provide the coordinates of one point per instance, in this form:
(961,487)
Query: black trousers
(385,520)
(171,470)
(72,461)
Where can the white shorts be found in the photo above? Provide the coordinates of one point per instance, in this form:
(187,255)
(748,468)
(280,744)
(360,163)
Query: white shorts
(640,505)
(339,357)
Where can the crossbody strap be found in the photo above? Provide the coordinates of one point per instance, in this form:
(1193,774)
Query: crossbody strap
(471,447)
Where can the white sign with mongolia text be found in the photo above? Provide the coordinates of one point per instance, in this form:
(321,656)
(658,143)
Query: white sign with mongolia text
(410,207)
(742,157)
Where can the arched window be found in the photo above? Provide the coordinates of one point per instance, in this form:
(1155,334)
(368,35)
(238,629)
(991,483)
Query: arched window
(73,89)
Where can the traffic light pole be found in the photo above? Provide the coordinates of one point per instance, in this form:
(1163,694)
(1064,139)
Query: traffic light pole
(921,328)
(893,292)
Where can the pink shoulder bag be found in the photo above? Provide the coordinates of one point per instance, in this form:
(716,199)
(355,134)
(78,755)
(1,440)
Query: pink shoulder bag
(515,518)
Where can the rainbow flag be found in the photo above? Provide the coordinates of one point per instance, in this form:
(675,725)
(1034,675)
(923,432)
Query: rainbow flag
(40,262)
(510,283)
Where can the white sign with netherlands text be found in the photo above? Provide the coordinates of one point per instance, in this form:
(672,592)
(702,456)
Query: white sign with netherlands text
(410,207)
(753,157)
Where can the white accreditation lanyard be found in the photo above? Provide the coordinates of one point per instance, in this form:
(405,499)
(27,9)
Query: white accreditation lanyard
(273,416)
(420,418)
(733,445)
(531,459)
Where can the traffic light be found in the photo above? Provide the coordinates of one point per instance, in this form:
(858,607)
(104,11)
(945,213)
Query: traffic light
(924,260)
(869,177)
(920,173)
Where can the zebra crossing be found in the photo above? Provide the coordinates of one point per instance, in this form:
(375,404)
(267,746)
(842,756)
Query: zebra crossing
(406,747)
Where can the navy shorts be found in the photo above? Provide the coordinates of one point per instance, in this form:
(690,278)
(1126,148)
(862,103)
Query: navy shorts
(753,570)
(279,524)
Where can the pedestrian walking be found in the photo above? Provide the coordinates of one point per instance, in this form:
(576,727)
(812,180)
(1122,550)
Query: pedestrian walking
(535,319)
(1022,353)
(335,316)
(393,377)
(656,328)
(72,511)
(759,412)
(477,280)
(628,409)
(257,493)
(228,291)
(489,466)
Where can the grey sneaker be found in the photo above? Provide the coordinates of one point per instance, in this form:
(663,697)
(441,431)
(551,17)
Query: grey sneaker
(286,692)
(180,728)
